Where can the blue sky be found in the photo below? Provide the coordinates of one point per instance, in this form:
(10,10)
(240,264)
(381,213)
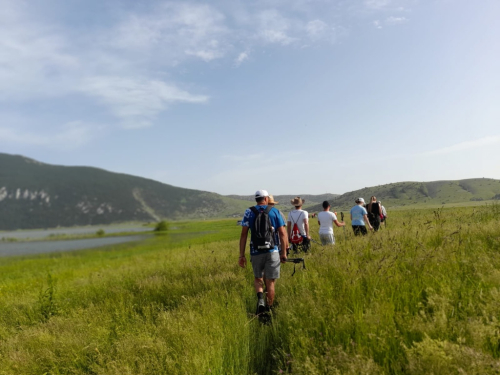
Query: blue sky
(295,96)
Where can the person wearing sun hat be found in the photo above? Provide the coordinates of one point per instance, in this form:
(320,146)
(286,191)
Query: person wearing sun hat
(272,202)
(359,218)
(265,262)
(301,218)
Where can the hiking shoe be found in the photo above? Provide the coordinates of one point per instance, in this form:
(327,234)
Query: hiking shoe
(261,307)
(266,317)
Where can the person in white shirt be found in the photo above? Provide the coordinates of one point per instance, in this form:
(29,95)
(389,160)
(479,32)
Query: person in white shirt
(301,218)
(326,219)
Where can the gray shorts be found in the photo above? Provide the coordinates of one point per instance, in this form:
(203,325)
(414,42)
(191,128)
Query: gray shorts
(268,264)
(327,238)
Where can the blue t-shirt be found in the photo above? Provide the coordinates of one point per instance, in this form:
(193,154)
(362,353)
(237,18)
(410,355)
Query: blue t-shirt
(276,221)
(357,213)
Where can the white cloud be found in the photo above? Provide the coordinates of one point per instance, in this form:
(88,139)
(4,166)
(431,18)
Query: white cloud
(209,53)
(273,28)
(395,20)
(33,56)
(377,4)
(44,59)
(70,135)
(136,101)
(316,29)
(39,61)
(377,24)
(174,30)
(463,146)
(241,57)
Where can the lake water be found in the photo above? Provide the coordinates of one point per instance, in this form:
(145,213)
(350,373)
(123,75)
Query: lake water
(44,233)
(29,248)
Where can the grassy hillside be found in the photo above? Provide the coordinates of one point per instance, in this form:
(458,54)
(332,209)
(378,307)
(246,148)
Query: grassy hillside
(419,297)
(420,194)
(37,195)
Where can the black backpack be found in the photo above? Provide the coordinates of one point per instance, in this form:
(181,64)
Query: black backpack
(262,230)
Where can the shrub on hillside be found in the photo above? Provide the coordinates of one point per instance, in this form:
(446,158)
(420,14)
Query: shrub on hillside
(162,226)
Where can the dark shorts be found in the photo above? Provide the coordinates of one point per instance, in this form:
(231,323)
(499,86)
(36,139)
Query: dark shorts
(268,264)
(375,223)
(359,229)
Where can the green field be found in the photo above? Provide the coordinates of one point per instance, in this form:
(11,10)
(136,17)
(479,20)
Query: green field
(422,296)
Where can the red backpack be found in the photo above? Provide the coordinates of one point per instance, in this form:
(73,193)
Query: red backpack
(295,236)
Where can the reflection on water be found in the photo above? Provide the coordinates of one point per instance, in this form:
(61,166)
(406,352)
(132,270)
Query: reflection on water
(28,248)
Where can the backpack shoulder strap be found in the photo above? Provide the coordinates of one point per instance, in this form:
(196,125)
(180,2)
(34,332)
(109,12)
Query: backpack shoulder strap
(254,210)
(295,222)
(268,209)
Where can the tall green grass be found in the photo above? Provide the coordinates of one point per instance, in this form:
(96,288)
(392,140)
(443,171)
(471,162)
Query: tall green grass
(421,296)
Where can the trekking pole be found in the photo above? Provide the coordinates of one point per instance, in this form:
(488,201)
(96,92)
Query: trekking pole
(313,240)
(295,261)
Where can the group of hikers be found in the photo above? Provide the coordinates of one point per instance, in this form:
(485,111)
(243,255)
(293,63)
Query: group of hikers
(271,235)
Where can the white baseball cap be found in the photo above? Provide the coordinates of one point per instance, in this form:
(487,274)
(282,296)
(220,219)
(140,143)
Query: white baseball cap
(360,200)
(261,193)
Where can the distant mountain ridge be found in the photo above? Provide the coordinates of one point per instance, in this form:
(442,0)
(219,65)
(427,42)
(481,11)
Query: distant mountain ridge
(38,195)
(284,200)
(401,194)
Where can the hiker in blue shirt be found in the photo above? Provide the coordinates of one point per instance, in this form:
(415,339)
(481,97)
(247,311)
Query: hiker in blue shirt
(359,218)
(265,260)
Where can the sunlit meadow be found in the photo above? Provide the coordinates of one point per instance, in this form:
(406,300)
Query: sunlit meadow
(422,296)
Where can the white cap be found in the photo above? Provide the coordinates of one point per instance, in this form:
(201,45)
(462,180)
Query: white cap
(360,200)
(261,193)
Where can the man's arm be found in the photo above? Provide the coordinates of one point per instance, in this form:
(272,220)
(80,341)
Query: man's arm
(288,228)
(337,223)
(283,242)
(242,261)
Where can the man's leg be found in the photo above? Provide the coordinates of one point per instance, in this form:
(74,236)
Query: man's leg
(261,305)
(306,245)
(272,273)
(258,264)
(258,283)
(270,291)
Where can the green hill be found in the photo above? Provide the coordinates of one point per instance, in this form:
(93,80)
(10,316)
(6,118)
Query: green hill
(404,194)
(37,195)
